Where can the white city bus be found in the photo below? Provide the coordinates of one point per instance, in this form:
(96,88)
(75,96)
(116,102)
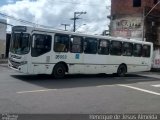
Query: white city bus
(43,51)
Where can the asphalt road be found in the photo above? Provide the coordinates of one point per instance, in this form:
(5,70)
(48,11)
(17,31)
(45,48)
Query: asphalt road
(135,93)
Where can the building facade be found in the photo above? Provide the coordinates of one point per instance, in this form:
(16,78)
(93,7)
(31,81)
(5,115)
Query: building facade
(133,19)
(129,19)
(3,28)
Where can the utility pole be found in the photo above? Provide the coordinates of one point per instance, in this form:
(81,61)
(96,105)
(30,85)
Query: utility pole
(65,26)
(76,16)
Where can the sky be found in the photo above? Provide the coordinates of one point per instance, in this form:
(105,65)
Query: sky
(53,13)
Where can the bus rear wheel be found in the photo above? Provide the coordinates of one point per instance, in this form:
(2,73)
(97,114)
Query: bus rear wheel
(122,70)
(59,71)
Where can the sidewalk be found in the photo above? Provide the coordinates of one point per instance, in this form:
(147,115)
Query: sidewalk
(150,74)
(4,65)
(3,61)
(155,70)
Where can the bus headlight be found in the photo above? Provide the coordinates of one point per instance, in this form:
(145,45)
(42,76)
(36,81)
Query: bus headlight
(23,62)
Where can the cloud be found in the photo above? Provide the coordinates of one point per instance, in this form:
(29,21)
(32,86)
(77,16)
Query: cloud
(10,1)
(55,12)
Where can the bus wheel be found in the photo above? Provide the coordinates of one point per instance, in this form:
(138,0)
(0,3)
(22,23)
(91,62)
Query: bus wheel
(59,71)
(122,70)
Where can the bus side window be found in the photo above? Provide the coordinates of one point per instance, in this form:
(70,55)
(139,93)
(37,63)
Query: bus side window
(61,43)
(137,50)
(116,48)
(41,44)
(90,46)
(127,49)
(103,47)
(76,44)
(146,50)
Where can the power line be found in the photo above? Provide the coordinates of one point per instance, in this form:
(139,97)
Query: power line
(23,21)
(28,22)
(11,17)
(34,24)
(69,2)
(152,8)
(6,23)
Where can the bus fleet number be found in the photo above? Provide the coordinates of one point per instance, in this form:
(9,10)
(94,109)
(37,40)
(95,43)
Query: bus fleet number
(61,56)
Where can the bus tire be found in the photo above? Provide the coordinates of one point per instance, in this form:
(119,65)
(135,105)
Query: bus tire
(59,71)
(122,70)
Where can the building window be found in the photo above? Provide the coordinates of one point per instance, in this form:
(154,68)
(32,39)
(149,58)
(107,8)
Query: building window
(90,46)
(155,1)
(136,3)
(61,43)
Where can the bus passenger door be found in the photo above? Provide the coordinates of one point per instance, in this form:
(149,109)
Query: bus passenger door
(76,55)
(40,53)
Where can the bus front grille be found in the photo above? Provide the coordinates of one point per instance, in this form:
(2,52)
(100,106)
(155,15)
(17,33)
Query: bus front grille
(15,64)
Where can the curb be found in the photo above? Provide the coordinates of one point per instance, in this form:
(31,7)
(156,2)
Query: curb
(4,65)
(155,70)
(3,61)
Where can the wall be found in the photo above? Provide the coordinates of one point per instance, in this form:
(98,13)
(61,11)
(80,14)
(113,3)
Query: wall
(156,59)
(126,7)
(3,28)
(2,48)
(128,27)
(128,21)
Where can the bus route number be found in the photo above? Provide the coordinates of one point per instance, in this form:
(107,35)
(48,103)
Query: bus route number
(61,56)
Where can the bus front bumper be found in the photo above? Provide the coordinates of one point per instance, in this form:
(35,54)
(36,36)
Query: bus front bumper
(18,66)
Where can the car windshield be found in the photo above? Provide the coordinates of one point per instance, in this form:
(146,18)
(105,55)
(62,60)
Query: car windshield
(20,43)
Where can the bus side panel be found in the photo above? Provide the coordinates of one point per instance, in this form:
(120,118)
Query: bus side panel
(41,65)
(138,64)
(74,61)
(92,63)
(113,63)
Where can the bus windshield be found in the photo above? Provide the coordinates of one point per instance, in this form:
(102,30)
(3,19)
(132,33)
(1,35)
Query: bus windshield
(20,43)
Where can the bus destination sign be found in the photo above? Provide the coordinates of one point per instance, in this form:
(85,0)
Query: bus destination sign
(19,29)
